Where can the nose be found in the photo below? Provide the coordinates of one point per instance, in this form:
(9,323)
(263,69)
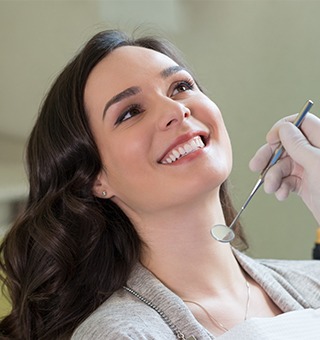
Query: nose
(172,113)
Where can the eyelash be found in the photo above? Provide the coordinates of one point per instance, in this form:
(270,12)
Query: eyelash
(130,110)
(189,83)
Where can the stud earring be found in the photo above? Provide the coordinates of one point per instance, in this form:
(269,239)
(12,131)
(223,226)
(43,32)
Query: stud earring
(104,193)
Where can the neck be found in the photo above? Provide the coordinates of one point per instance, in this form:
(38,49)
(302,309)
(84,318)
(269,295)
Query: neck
(182,254)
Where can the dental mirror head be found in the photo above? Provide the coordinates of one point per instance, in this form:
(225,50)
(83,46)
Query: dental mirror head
(222,233)
(225,234)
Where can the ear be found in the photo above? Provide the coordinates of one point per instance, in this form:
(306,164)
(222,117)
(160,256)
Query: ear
(101,187)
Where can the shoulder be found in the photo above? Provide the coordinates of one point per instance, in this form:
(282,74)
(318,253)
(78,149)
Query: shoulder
(123,317)
(308,270)
(302,277)
(294,282)
(292,270)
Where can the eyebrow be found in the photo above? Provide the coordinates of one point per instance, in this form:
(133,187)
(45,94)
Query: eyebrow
(131,91)
(171,70)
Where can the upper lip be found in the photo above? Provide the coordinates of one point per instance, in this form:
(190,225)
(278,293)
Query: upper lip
(183,139)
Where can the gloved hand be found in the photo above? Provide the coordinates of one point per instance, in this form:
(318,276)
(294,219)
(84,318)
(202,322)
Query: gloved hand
(298,170)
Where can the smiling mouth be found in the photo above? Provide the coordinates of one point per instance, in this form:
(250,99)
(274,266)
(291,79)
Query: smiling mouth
(183,150)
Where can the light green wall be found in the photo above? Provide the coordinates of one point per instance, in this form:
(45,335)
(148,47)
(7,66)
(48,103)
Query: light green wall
(258,60)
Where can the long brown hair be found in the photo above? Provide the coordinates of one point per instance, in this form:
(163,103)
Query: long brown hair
(69,251)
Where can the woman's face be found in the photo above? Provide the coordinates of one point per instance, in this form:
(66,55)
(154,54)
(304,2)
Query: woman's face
(163,143)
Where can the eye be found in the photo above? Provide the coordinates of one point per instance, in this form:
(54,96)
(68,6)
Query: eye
(183,86)
(130,112)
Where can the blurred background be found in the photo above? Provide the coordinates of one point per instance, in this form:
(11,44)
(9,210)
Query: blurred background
(258,60)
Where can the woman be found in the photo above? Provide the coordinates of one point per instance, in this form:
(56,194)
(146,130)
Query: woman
(128,163)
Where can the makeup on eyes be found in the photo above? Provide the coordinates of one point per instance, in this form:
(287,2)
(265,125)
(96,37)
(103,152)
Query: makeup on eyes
(136,108)
(132,110)
(189,83)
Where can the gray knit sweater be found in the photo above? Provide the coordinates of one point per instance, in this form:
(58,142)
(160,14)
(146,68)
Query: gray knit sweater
(292,285)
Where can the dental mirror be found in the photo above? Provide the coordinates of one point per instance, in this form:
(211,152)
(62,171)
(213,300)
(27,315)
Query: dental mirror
(225,234)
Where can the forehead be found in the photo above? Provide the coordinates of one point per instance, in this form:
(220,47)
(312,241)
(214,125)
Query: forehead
(127,63)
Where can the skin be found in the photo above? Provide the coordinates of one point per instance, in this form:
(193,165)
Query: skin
(130,151)
(173,206)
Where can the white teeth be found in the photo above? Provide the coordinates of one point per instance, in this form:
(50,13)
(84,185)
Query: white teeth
(176,153)
(182,150)
(188,148)
(192,145)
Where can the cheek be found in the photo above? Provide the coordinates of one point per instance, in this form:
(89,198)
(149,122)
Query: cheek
(125,160)
(130,176)
(212,116)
